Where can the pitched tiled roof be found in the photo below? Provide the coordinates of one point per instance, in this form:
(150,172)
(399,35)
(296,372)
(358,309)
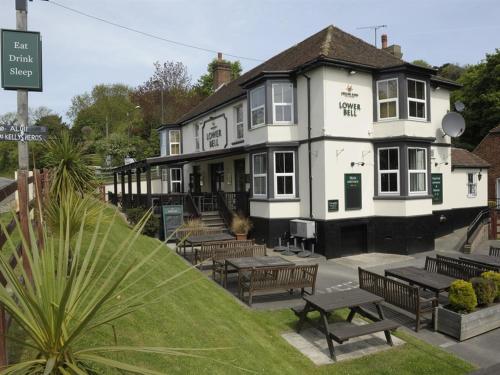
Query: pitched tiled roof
(461,158)
(496,129)
(330,43)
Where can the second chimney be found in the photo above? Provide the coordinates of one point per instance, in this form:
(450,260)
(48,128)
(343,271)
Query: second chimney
(221,72)
(394,49)
(384,41)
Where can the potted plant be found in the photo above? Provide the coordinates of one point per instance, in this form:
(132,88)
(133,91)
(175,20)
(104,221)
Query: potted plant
(240,226)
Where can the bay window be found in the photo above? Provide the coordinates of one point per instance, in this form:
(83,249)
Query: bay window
(257,106)
(417,170)
(282,103)
(284,174)
(388,170)
(238,115)
(175,180)
(387,99)
(174,142)
(417,100)
(260,174)
(471,186)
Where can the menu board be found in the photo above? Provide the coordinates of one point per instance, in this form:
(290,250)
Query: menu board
(352,188)
(437,188)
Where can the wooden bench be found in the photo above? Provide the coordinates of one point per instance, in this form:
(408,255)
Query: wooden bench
(494,251)
(208,249)
(403,296)
(219,257)
(278,278)
(344,332)
(457,268)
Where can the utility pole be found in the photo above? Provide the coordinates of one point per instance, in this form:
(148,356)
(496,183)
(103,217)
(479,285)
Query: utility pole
(22,146)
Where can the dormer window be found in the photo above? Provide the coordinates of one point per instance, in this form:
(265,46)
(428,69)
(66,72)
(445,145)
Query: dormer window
(258,106)
(174,137)
(416,100)
(238,116)
(387,99)
(283,103)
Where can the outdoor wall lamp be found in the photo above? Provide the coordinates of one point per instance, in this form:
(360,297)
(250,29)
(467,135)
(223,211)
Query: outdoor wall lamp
(362,163)
(479,175)
(444,163)
(352,72)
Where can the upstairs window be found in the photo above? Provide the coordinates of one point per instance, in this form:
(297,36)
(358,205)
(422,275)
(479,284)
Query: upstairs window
(238,116)
(417,100)
(388,170)
(175,180)
(175,142)
(471,186)
(387,99)
(417,171)
(284,174)
(283,103)
(260,174)
(197,136)
(257,106)
(163,143)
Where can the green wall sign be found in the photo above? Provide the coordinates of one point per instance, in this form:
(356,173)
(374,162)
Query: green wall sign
(333,205)
(21,60)
(352,188)
(437,188)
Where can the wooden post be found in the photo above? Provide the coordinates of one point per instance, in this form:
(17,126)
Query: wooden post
(37,183)
(148,186)
(122,180)
(115,187)
(23,194)
(129,185)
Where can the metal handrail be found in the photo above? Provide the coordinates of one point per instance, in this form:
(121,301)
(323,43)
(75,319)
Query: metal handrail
(482,216)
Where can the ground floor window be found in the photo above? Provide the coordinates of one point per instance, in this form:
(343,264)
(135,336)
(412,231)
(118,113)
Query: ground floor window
(471,185)
(260,174)
(175,180)
(284,173)
(417,170)
(388,170)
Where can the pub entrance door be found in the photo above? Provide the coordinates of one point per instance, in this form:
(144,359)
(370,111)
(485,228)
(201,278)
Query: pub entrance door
(195,180)
(217,177)
(239,175)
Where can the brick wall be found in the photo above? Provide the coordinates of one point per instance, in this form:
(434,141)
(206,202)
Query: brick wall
(489,150)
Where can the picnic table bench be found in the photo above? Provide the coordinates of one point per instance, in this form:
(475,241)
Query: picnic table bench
(353,299)
(490,262)
(494,251)
(208,249)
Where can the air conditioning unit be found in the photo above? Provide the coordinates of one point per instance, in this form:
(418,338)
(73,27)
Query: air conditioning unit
(303,228)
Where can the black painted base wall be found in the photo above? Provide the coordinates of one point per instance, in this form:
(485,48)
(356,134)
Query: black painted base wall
(395,235)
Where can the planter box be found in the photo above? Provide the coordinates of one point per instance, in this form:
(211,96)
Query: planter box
(465,326)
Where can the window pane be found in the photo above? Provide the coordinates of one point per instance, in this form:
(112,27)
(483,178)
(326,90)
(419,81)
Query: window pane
(239,131)
(392,88)
(416,159)
(384,182)
(393,182)
(384,159)
(288,162)
(420,90)
(288,185)
(257,97)
(420,110)
(239,114)
(175,149)
(278,93)
(280,161)
(411,88)
(258,116)
(382,90)
(470,177)
(279,116)
(280,188)
(287,113)
(383,110)
(288,93)
(391,109)
(259,185)
(393,159)
(175,136)
(417,182)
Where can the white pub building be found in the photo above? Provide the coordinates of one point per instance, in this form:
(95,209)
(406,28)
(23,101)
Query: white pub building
(331,130)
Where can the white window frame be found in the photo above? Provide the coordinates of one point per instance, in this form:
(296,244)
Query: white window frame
(254,175)
(197,127)
(471,193)
(172,181)
(275,104)
(283,174)
(388,171)
(163,143)
(239,124)
(252,109)
(396,99)
(170,143)
(425,171)
(424,101)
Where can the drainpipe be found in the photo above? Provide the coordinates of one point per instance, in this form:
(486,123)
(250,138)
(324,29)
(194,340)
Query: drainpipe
(309,141)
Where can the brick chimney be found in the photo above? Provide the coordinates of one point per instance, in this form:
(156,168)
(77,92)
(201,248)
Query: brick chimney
(221,72)
(394,49)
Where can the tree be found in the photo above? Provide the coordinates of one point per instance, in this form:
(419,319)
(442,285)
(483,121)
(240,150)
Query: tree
(422,63)
(451,71)
(205,82)
(481,95)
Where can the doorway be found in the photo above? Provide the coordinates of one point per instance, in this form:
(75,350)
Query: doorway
(195,180)
(498,193)
(239,176)
(353,239)
(217,177)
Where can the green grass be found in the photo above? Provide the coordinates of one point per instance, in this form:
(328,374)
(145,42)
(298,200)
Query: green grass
(203,315)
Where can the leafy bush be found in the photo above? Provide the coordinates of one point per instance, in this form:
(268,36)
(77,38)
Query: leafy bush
(462,296)
(135,215)
(495,277)
(486,290)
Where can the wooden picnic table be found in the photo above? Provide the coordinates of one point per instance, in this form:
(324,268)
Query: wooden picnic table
(247,263)
(197,240)
(435,282)
(482,259)
(352,299)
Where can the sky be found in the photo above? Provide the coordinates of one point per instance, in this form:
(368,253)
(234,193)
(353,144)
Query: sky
(79,52)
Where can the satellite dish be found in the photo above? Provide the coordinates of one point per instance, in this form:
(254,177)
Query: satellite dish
(459,106)
(453,124)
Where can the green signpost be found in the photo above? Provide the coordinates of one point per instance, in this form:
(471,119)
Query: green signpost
(21,60)
(437,188)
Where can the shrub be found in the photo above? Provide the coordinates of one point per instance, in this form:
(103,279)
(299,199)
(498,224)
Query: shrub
(495,277)
(194,224)
(241,224)
(462,296)
(486,290)
(135,215)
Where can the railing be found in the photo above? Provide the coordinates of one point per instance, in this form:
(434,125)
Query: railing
(191,206)
(238,202)
(224,211)
(482,218)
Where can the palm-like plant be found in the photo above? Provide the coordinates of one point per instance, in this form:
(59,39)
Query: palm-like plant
(75,292)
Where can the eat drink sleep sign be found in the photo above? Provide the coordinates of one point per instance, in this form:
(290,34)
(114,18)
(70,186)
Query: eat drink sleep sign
(21,60)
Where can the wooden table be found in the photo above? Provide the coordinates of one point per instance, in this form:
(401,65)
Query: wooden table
(199,239)
(353,299)
(486,260)
(432,281)
(246,263)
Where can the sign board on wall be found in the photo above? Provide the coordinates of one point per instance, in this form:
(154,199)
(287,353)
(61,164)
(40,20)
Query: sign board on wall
(437,188)
(333,205)
(214,133)
(352,188)
(21,59)
(349,105)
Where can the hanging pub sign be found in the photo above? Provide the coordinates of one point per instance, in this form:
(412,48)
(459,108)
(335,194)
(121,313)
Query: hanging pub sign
(17,133)
(21,59)
(437,188)
(352,189)
(214,132)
